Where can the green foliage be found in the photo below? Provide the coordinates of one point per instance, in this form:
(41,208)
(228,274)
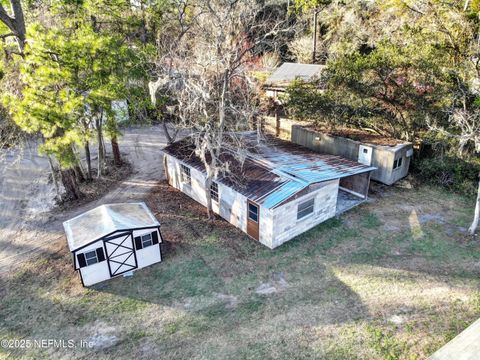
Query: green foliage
(449,172)
(306,5)
(391,68)
(385,344)
(70,74)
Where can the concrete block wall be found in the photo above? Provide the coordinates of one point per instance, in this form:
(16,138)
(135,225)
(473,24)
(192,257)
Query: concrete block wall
(285,223)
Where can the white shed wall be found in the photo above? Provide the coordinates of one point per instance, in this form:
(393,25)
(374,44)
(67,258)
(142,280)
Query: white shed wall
(99,272)
(285,223)
(151,254)
(95,273)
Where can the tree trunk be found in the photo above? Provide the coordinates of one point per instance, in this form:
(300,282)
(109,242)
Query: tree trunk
(101,149)
(88,158)
(167,134)
(314,45)
(277,122)
(78,173)
(473,228)
(54,175)
(208,185)
(70,184)
(15,23)
(117,159)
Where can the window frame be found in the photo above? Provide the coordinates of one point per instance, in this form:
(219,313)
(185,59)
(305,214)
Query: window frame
(88,259)
(214,192)
(256,212)
(397,163)
(185,174)
(309,207)
(149,235)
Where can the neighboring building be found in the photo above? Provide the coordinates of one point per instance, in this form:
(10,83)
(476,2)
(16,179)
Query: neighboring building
(284,76)
(114,239)
(280,191)
(391,160)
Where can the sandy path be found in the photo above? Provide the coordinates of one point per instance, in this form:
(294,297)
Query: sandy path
(26,225)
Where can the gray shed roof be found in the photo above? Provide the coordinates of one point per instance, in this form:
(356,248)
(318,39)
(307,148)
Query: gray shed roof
(106,219)
(288,72)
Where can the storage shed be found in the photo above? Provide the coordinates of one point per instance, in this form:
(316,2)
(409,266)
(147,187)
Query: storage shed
(280,191)
(284,76)
(112,240)
(390,157)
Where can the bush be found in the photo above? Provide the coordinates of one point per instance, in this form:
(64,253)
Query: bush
(451,173)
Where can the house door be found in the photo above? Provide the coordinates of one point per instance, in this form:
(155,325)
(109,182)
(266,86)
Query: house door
(253,220)
(120,254)
(365,155)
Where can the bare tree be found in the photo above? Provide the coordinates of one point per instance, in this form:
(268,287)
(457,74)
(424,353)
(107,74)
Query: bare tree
(15,21)
(209,65)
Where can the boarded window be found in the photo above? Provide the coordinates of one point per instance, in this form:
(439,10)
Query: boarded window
(305,208)
(214,191)
(185,174)
(253,212)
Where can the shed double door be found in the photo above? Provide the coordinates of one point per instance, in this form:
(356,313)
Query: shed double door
(121,255)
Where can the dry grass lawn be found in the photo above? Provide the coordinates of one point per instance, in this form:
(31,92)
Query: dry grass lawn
(392,279)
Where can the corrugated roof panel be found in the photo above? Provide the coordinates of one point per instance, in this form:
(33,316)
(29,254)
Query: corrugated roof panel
(287,190)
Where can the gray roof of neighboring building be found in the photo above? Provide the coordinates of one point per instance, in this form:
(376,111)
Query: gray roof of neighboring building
(288,72)
(107,219)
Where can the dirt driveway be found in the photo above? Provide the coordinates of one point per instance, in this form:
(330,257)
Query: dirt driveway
(27,226)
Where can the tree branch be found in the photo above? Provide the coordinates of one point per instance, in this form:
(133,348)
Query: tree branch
(6,19)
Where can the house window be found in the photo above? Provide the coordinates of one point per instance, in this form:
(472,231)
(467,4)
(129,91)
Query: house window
(214,191)
(365,151)
(146,240)
(305,208)
(91,257)
(397,163)
(185,174)
(253,212)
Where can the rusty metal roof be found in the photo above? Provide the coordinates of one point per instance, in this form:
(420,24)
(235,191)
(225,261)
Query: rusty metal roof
(274,169)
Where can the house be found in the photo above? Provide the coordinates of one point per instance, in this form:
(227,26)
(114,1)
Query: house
(286,74)
(112,240)
(390,157)
(279,191)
